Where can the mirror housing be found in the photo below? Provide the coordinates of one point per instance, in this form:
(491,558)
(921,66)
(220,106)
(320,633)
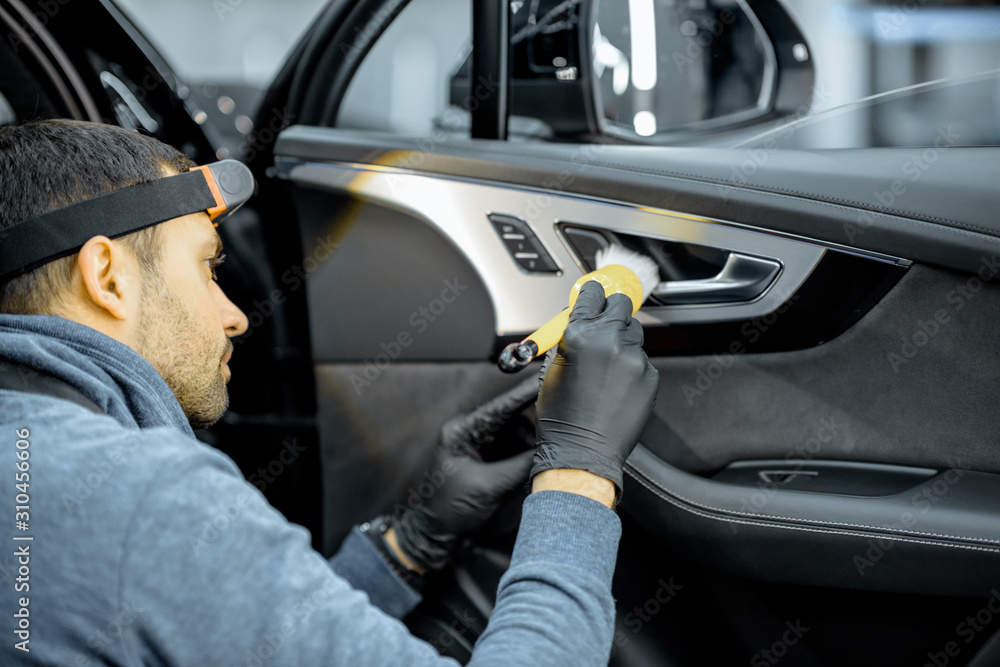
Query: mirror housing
(638,71)
(659,71)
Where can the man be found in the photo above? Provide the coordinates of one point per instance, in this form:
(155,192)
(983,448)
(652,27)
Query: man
(113,349)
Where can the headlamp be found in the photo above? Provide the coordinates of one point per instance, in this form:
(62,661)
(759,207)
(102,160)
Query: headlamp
(217,189)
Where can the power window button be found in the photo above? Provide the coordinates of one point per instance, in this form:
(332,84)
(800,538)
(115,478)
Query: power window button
(517,243)
(506,225)
(531,261)
(522,244)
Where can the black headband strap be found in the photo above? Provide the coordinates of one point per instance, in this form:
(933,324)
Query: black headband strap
(62,232)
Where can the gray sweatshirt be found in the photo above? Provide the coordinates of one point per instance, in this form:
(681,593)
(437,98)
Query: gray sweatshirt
(129,542)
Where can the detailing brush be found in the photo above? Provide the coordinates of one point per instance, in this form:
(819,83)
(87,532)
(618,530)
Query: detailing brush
(620,271)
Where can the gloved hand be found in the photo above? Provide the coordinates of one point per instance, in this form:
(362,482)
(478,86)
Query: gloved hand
(430,534)
(598,390)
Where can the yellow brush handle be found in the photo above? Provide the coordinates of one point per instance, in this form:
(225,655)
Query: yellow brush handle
(550,333)
(615,278)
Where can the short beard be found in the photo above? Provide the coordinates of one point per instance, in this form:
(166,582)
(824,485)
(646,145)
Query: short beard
(166,338)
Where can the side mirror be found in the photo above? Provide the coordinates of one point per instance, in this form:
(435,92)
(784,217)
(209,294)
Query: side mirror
(644,71)
(658,69)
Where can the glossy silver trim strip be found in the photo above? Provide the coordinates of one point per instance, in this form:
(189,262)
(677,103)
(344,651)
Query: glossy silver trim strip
(284,165)
(458,209)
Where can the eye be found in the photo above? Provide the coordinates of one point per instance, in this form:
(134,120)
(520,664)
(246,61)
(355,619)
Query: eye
(214,262)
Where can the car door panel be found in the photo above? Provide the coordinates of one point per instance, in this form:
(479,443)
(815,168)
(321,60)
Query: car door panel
(379,436)
(432,304)
(938,537)
(880,386)
(943,218)
(822,452)
(399,345)
(874,393)
(522,298)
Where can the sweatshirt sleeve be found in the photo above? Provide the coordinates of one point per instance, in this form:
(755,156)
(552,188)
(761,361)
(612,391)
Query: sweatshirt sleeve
(218,577)
(359,564)
(554,603)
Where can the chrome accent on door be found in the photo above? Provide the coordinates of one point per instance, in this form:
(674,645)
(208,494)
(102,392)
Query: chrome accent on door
(458,209)
(742,278)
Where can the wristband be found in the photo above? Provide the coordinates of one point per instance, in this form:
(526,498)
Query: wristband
(375,531)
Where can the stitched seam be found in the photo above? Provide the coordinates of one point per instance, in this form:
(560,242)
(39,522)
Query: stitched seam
(832,202)
(807,530)
(805,195)
(815,521)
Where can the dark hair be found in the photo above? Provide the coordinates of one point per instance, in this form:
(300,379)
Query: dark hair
(49,164)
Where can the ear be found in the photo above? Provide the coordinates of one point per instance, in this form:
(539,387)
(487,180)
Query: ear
(106,269)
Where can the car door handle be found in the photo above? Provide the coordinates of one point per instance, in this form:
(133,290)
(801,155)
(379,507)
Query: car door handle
(742,278)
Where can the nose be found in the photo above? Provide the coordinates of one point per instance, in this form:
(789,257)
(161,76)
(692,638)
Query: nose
(233,320)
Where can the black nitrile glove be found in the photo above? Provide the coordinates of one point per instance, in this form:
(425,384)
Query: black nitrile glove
(472,489)
(598,390)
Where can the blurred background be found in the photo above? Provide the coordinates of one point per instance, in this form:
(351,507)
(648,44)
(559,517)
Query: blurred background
(228,50)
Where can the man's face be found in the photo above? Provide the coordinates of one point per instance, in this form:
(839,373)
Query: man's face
(186,320)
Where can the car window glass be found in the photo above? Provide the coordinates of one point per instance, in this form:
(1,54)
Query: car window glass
(864,49)
(7,115)
(402,84)
(227,51)
(963,111)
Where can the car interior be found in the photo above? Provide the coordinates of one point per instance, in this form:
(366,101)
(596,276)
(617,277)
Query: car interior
(819,483)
